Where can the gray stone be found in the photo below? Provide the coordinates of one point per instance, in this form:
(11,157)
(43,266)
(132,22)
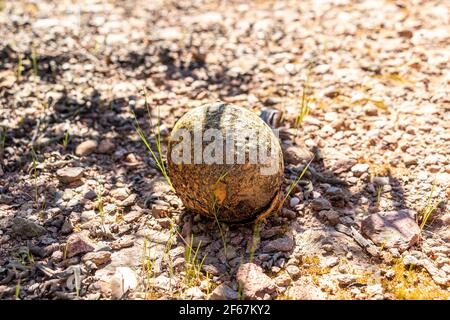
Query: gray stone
(375,291)
(294,201)
(283,280)
(90,195)
(437,274)
(215,270)
(303,290)
(123,280)
(26,228)
(291,215)
(57,256)
(129,201)
(127,257)
(445,218)
(67,227)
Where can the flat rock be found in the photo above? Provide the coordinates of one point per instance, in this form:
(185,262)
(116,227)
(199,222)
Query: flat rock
(215,270)
(77,244)
(284,244)
(69,174)
(375,291)
(26,228)
(392,229)
(438,275)
(86,147)
(255,284)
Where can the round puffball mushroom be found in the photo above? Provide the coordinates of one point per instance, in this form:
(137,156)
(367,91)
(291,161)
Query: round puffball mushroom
(225,163)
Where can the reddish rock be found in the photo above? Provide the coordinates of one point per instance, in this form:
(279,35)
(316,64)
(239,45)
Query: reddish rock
(254,283)
(78,243)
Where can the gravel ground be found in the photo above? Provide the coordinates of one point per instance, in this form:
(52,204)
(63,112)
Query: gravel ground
(84,215)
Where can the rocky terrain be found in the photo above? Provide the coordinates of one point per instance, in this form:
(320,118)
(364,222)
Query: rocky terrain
(84,214)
